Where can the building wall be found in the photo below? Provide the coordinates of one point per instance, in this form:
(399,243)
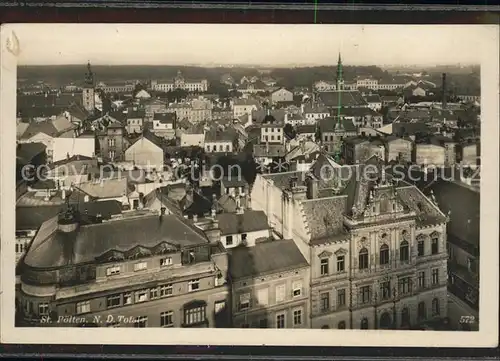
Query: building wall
(193,140)
(145,154)
(282,95)
(61,147)
(429,154)
(88,99)
(250,241)
(270,309)
(239,110)
(113,142)
(469,155)
(220,146)
(397,147)
(134,125)
(272,135)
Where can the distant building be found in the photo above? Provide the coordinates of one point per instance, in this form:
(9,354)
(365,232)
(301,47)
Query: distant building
(281,95)
(217,141)
(144,153)
(244,106)
(164,124)
(242,228)
(89,90)
(135,121)
(180,83)
(112,142)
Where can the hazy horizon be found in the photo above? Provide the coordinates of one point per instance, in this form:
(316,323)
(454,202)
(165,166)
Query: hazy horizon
(249,45)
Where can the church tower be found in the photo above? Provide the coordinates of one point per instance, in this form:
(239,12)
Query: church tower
(340,81)
(89,90)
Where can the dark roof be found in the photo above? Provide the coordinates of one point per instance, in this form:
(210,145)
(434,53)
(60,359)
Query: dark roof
(233,182)
(135,114)
(373,98)
(307,128)
(464,205)
(348,98)
(271,150)
(215,135)
(31,218)
(258,116)
(359,112)
(328,124)
(88,242)
(409,128)
(34,128)
(27,151)
(249,221)
(165,118)
(265,258)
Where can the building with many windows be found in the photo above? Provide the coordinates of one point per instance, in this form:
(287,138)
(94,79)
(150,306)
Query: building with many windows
(376,246)
(179,82)
(139,270)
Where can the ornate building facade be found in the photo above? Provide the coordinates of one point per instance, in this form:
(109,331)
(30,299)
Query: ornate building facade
(376,246)
(179,82)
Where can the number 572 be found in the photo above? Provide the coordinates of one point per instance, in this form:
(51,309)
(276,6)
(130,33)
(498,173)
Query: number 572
(467,319)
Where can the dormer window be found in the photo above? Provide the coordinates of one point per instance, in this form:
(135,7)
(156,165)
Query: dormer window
(114,270)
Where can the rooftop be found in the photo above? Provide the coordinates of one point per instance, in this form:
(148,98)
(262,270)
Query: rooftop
(265,258)
(249,221)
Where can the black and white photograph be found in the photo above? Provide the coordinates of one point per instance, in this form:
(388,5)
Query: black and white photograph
(314,179)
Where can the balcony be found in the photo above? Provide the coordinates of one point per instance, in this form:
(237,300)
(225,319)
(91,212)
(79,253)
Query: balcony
(431,257)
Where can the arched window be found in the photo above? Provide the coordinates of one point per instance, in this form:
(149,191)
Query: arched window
(364,324)
(341,325)
(385,321)
(384,254)
(404,251)
(435,244)
(405,317)
(421,246)
(435,307)
(363,258)
(421,314)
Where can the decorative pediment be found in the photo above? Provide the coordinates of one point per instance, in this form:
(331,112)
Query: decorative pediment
(111,256)
(435,234)
(164,247)
(325,254)
(421,237)
(340,252)
(138,252)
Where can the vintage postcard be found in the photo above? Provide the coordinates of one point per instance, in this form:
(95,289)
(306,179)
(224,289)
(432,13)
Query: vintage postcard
(323,185)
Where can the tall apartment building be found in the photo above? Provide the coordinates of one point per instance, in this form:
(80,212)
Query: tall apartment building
(143,270)
(376,246)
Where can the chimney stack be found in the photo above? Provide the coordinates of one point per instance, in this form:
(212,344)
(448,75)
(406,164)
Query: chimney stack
(443,104)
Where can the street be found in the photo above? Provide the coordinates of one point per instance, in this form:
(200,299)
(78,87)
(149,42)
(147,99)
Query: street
(461,315)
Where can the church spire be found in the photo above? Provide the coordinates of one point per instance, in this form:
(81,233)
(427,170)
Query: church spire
(340,81)
(89,76)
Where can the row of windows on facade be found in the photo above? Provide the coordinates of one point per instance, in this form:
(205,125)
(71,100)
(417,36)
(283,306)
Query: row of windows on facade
(384,256)
(263,295)
(139,266)
(280,320)
(221,148)
(272,137)
(271,130)
(386,292)
(405,315)
(229,239)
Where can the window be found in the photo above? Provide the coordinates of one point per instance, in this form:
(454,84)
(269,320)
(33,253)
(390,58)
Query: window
(166,290)
(404,285)
(114,301)
(421,279)
(364,324)
(384,255)
(153,293)
(435,245)
(363,259)
(244,302)
(140,266)
(324,266)
(219,306)
(141,296)
(263,296)
(167,261)
(421,248)
(83,307)
(194,315)
(365,294)
(421,314)
(127,299)
(141,322)
(385,290)
(280,320)
(297,317)
(340,264)
(341,325)
(325,301)
(43,309)
(280,293)
(435,307)
(341,298)
(297,288)
(435,276)
(263,323)
(167,319)
(229,240)
(114,270)
(193,285)
(404,252)
(278,137)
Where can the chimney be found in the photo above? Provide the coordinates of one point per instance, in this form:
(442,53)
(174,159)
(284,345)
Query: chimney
(443,105)
(312,188)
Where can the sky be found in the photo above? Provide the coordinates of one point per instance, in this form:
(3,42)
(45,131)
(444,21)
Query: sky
(249,44)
